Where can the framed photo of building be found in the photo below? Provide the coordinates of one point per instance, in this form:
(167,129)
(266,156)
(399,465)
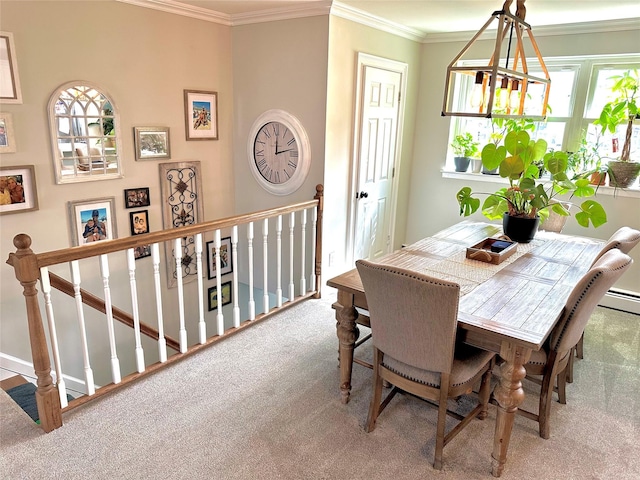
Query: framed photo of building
(201,115)
(214,298)
(18,189)
(226,265)
(152,143)
(92,220)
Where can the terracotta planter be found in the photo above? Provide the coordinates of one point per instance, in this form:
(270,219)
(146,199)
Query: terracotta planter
(520,229)
(623,174)
(598,178)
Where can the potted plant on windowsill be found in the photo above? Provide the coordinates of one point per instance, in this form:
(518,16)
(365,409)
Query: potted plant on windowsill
(464,148)
(528,198)
(622,109)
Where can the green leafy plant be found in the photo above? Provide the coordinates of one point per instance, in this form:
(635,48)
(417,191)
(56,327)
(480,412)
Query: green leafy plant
(622,109)
(517,158)
(464,145)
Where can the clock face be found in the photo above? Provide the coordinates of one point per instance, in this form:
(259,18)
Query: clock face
(278,151)
(275,153)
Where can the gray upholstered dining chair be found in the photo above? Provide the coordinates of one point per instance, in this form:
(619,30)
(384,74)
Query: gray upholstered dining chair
(552,360)
(624,239)
(413,324)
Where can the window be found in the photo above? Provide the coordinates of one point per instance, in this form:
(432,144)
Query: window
(579,90)
(84,125)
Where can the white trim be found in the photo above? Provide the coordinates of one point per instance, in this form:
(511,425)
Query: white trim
(177,8)
(11,366)
(624,300)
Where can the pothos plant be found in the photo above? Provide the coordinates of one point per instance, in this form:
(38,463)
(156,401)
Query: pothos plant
(520,160)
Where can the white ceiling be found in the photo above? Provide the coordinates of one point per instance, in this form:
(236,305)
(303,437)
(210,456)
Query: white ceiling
(435,16)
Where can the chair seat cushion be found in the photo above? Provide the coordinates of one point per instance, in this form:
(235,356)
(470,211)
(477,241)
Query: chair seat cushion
(467,362)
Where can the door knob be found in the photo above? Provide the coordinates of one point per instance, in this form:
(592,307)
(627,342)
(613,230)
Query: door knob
(362,195)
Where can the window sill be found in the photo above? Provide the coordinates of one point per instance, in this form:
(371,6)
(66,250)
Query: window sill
(631,192)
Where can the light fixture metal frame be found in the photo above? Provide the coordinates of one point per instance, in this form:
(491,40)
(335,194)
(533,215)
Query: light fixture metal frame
(506,23)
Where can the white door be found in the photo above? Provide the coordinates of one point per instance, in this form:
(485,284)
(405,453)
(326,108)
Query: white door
(380,105)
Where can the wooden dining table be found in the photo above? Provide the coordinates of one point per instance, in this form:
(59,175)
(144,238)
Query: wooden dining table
(509,308)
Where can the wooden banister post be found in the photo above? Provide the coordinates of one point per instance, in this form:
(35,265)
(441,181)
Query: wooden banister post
(320,197)
(27,272)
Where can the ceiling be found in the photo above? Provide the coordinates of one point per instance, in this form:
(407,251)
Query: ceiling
(429,16)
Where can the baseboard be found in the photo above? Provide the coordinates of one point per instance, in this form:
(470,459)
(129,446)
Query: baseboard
(10,366)
(624,300)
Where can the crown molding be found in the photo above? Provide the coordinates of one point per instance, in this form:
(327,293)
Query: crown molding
(282,13)
(177,8)
(544,30)
(345,11)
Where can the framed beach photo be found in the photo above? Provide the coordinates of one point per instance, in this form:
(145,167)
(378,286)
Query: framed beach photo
(139,222)
(225,258)
(92,220)
(201,115)
(136,197)
(9,78)
(226,295)
(18,191)
(152,143)
(7,135)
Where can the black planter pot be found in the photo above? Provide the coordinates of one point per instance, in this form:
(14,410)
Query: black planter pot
(520,229)
(462,163)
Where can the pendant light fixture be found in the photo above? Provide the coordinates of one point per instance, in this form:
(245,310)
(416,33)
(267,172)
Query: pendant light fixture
(503,87)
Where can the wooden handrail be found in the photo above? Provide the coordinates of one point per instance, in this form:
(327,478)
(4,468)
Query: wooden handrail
(102,247)
(91,300)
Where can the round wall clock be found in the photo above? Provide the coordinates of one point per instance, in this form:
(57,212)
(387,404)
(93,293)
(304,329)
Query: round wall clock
(278,152)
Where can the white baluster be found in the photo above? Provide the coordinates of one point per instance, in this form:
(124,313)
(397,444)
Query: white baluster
(234,257)
(303,224)
(279,261)
(45,284)
(115,363)
(219,316)
(265,264)
(177,247)
(162,342)
(131,263)
(252,303)
(312,274)
(202,327)
(292,224)
(88,373)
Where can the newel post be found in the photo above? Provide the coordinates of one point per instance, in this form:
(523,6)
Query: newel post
(320,197)
(25,265)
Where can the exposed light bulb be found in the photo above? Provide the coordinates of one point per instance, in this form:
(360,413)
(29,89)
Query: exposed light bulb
(477,95)
(514,97)
(502,94)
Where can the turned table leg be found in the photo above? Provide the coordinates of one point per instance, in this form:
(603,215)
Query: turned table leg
(348,333)
(509,394)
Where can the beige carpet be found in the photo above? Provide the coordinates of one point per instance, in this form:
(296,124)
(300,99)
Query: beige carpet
(265,405)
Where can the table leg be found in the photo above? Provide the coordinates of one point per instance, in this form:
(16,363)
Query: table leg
(509,394)
(348,333)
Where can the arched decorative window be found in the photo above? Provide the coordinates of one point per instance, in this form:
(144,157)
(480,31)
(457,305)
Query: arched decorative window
(85,135)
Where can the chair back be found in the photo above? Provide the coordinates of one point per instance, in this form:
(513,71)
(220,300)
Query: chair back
(585,297)
(624,239)
(413,316)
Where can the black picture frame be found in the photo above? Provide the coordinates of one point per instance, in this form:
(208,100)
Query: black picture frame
(139,222)
(227,295)
(136,197)
(226,259)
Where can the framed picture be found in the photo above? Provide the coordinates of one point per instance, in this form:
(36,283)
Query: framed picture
(7,137)
(226,261)
(201,115)
(182,205)
(152,142)
(18,189)
(213,295)
(139,222)
(92,220)
(136,197)
(142,251)
(9,78)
